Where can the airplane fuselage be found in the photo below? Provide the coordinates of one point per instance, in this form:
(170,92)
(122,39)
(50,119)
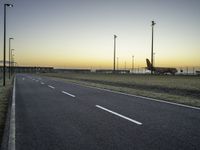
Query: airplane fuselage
(160,70)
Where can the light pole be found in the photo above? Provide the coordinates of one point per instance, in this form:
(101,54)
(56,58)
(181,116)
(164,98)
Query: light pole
(12,60)
(117,63)
(4,47)
(125,65)
(153,23)
(133,64)
(114,52)
(10,56)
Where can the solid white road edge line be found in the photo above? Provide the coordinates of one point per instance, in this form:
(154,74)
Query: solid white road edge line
(143,97)
(11,141)
(68,94)
(51,86)
(119,115)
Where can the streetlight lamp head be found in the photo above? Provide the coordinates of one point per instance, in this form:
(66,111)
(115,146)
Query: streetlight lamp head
(9,5)
(153,23)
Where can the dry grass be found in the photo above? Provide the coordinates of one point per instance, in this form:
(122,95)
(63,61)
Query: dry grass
(180,89)
(4,96)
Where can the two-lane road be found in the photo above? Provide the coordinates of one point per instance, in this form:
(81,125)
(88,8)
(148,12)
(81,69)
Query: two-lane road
(51,114)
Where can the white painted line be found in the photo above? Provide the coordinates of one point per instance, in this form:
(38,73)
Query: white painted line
(11,140)
(68,94)
(42,83)
(51,86)
(36,80)
(23,78)
(143,97)
(119,115)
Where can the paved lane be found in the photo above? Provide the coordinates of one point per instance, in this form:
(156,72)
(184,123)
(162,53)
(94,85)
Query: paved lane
(51,114)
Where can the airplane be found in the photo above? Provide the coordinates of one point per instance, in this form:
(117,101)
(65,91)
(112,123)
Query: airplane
(160,70)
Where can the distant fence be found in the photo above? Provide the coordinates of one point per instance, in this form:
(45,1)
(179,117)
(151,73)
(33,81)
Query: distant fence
(138,70)
(181,70)
(26,69)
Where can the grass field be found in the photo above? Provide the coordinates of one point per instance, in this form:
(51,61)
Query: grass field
(180,89)
(4,95)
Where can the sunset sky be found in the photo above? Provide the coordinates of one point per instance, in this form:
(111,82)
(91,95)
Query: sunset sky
(79,33)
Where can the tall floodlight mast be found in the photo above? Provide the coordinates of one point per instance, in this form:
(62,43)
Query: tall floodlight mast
(152,25)
(114,53)
(4,46)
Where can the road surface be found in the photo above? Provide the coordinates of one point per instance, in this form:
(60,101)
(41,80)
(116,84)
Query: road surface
(54,115)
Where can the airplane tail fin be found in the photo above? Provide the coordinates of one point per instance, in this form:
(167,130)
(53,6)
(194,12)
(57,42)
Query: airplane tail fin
(149,65)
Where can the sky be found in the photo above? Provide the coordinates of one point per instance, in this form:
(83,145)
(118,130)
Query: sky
(79,33)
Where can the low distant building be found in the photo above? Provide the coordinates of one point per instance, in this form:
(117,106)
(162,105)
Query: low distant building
(72,70)
(111,71)
(197,72)
(28,69)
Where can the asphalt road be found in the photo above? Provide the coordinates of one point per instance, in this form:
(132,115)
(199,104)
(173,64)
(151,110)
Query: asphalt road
(53,115)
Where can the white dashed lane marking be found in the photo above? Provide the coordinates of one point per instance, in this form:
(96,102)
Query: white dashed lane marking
(119,115)
(68,94)
(51,87)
